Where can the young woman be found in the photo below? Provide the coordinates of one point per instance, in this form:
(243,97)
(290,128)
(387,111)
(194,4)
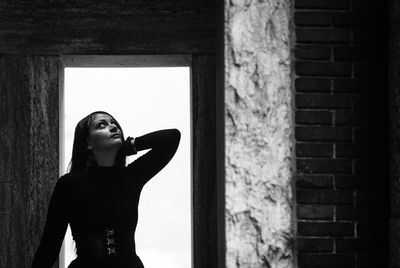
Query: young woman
(100,194)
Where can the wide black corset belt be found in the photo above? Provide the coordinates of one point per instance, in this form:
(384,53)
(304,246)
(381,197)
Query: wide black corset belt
(104,243)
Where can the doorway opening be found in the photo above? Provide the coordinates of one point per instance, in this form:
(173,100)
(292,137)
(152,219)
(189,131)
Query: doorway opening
(144,93)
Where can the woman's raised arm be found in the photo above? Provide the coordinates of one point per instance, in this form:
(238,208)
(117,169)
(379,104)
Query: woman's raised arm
(55,227)
(163,144)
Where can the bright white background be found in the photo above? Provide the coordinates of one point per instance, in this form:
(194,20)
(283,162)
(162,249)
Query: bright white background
(142,100)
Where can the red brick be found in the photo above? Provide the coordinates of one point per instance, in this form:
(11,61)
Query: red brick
(341,85)
(367,197)
(370,260)
(313,35)
(355,181)
(354,245)
(364,5)
(313,84)
(324,196)
(352,212)
(364,134)
(313,117)
(326,260)
(305,244)
(355,149)
(354,117)
(314,182)
(314,149)
(326,4)
(312,52)
(327,101)
(365,228)
(366,69)
(323,133)
(366,166)
(356,53)
(366,36)
(316,68)
(330,229)
(352,19)
(315,212)
(312,18)
(324,166)
(364,101)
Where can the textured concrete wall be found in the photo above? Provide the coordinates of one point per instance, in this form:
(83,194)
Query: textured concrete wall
(259,132)
(28,152)
(107,27)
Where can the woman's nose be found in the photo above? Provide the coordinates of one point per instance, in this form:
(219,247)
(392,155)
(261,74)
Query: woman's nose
(113,128)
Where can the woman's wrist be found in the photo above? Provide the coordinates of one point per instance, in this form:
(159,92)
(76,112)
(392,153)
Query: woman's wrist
(133,140)
(130,146)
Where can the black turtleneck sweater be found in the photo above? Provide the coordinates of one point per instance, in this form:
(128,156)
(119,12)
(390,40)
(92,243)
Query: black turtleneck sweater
(99,198)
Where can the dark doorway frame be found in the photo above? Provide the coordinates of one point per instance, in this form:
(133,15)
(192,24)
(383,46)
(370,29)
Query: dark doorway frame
(121,61)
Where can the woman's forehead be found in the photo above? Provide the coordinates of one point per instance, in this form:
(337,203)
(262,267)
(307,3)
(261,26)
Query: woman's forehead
(101,116)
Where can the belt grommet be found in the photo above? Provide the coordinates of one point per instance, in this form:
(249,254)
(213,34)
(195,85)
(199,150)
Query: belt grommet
(111,250)
(110,232)
(110,241)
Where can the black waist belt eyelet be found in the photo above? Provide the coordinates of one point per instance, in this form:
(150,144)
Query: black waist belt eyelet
(110,241)
(100,245)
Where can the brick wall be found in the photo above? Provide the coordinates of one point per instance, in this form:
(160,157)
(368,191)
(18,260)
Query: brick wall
(341,133)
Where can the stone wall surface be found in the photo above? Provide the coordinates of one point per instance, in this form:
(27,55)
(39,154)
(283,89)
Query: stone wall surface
(259,132)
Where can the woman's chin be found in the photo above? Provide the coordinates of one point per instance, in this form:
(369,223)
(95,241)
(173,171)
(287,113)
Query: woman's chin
(116,143)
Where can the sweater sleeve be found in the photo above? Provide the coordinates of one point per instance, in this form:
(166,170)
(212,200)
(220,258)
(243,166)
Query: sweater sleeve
(163,144)
(55,227)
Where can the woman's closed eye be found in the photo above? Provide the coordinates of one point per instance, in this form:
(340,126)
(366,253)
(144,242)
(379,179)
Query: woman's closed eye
(101,124)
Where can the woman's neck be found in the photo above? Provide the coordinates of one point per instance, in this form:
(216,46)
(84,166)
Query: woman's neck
(105,159)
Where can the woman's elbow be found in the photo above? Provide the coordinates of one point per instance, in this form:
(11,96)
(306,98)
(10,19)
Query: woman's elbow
(176,136)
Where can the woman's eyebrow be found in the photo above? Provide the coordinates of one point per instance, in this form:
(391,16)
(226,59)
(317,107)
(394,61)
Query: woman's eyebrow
(99,121)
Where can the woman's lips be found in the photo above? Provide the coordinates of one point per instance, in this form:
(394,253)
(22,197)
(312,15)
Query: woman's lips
(115,135)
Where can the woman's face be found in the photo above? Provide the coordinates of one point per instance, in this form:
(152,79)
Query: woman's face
(104,133)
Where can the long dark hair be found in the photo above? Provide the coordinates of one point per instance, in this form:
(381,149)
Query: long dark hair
(82,157)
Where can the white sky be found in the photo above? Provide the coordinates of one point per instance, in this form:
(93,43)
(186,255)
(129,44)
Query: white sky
(143,100)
